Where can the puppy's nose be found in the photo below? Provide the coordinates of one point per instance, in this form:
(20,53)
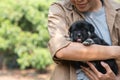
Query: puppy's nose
(79,35)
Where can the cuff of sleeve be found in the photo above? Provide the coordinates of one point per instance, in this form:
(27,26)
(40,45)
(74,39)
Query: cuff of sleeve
(54,46)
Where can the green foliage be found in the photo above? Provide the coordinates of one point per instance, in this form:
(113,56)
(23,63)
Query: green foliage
(39,60)
(23,31)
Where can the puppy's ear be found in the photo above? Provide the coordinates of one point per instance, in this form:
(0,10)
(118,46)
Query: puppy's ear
(70,34)
(91,28)
(70,31)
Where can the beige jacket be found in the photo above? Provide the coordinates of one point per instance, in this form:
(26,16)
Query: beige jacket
(61,16)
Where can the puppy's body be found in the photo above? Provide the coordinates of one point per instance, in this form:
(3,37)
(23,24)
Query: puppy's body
(83,32)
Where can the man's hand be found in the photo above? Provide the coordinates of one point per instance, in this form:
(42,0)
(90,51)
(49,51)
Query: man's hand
(94,74)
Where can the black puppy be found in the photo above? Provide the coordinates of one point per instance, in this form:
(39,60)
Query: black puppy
(84,32)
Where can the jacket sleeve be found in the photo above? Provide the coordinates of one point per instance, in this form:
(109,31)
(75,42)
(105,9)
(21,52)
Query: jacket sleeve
(118,24)
(58,30)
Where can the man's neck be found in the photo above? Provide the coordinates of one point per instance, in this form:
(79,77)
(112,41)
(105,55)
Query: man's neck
(97,6)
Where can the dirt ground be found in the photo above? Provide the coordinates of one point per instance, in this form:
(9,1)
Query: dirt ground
(29,74)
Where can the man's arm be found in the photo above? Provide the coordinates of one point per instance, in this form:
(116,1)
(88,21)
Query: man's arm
(79,52)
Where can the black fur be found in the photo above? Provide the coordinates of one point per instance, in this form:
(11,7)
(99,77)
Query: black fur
(84,32)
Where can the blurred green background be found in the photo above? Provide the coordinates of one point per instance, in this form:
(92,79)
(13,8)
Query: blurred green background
(23,34)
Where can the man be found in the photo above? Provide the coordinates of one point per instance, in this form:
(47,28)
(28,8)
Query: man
(106,20)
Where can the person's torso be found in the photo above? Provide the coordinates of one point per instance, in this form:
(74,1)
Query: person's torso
(71,15)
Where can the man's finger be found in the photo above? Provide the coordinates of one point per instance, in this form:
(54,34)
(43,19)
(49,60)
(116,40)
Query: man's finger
(89,73)
(94,69)
(107,67)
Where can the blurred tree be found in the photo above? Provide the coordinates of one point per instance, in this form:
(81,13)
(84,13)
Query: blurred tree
(23,33)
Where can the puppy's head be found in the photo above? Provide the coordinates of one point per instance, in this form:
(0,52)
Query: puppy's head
(80,31)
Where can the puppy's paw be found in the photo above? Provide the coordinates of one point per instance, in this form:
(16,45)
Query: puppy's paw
(88,42)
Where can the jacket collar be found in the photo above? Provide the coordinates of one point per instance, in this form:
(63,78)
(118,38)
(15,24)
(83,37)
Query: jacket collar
(68,5)
(115,5)
(110,15)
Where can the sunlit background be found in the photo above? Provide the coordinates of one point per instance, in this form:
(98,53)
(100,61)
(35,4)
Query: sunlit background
(23,40)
